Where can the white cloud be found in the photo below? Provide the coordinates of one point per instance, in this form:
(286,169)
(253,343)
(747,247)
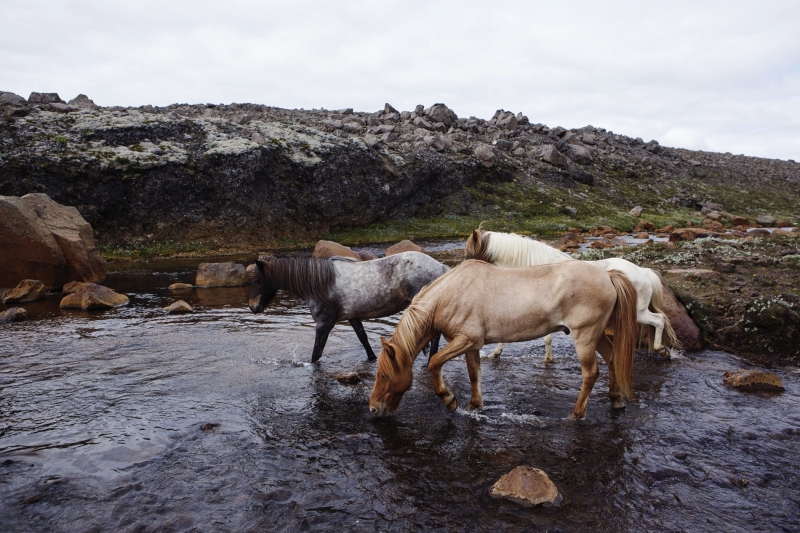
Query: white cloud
(714,75)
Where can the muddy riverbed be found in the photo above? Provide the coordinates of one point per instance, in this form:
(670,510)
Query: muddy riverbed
(132,420)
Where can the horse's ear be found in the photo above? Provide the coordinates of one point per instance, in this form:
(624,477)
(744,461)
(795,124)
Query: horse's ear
(388,349)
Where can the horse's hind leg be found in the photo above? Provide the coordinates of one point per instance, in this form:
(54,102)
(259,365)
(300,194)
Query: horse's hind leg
(458,345)
(498,350)
(606,350)
(474,368)
(589,372)
(358,327)
(657,321)
(548,348)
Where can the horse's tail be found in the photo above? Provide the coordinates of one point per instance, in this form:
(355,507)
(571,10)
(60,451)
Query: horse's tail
(623,318)
(657,306)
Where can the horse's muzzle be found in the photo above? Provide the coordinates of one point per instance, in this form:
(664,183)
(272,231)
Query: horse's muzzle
(256,308)
(378,410)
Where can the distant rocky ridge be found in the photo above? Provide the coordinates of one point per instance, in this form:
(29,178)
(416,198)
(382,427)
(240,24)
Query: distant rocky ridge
(254,173)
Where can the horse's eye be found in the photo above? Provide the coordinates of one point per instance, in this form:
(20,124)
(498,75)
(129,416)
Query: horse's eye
(384,376)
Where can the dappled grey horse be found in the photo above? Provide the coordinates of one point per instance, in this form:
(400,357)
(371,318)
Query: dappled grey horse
(340,288)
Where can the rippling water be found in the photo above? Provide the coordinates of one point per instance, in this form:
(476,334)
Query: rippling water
(132,420)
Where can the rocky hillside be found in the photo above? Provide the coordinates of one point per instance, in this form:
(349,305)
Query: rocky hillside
(247,174)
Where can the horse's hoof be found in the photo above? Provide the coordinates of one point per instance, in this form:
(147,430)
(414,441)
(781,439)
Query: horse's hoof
(664,352)
(618,404)
(371,357)
(453,405)
(472,406)
(573,416)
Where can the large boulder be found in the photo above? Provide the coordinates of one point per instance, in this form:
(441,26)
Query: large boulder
(685,329)
(91,296)
(220,275)
(44,98)
(325,249)
(403,246)
(28,290)
(527,486)
(550,154)
(83,102)
(485,154)
(42,239)
(441,113)
(11,98)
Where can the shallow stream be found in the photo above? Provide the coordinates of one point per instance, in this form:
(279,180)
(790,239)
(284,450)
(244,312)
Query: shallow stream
(133,420)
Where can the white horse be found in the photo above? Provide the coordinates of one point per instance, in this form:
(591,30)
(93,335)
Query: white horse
(512,250)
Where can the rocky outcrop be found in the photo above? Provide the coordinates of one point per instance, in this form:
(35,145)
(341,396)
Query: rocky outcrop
(753,380)
(527,486)
(685,329)
(220,275)
(15,314)
(91,296)
(28,290)
(246,173)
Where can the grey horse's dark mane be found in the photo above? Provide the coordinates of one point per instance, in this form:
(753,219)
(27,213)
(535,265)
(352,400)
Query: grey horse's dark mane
(307,277)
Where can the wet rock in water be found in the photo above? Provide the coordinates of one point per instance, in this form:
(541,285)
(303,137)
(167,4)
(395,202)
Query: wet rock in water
(403,246)
(608,241)
(753,380)
(179,307)
(209,426)
(93,296)
(220,275)
(325,249)
(351,378)
(15,314)
(685,329)
(527,486)
(28,290)
(642,235)
(42,239)
(366,255)
(636,211)
(182,286)
(71,287)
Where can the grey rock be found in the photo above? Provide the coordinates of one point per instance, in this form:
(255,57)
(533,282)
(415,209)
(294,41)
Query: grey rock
(558,131)
(653,147)
(60,107)
(258,139)
(11,98)
(508,123)
(579,154)
(405,115)
(383,128)
(44,99)
(335,124)
(83,102)
(502,144)
(346,111)
(371,140)
(550,154)
(220,275)
(636,211)
(522,120)
(434,142)
(485,154)
(387,109)
(441,113)
(422,123)
(518,152)
(352,127)
(419,110)
(766,220)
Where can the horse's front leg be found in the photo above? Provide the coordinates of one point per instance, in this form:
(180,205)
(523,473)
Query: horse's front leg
(458,345)
(474,368)
(323,330)
(358,327)
(589,373)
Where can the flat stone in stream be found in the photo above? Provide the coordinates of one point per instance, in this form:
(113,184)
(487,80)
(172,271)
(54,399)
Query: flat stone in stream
(180,286)
(527,486)
(220,275)
(28,290)
(753,380)
(93,296)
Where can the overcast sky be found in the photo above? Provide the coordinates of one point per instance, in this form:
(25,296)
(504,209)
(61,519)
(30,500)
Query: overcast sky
(720,76)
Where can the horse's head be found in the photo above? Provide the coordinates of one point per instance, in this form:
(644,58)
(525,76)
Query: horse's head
(391,382)
(263,290)
(477,245)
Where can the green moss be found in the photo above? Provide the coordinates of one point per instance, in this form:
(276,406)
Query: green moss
(136,148)
(60,139)
(139,250)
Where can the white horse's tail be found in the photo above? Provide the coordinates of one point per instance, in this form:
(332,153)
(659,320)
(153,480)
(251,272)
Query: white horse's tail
(669,339)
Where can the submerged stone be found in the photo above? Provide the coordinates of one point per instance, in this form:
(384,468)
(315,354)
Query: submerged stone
(753,380)
(527,486)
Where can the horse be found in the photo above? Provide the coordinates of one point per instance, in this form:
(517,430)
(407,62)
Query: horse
(340,288)
(478,302)
(512,250)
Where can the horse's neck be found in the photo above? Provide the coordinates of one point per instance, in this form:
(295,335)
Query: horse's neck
(516,251)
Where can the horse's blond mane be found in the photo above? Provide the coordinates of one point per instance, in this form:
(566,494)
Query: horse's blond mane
(512,250)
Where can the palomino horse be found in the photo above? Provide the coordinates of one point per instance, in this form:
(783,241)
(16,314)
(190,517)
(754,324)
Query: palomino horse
(343,289)
(478,302)
(512,250)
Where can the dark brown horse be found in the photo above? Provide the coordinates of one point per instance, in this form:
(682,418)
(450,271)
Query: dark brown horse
(338,289)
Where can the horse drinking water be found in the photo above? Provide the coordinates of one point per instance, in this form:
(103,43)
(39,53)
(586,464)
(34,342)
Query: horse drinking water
(478,302)
(512,250)
(339,288)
